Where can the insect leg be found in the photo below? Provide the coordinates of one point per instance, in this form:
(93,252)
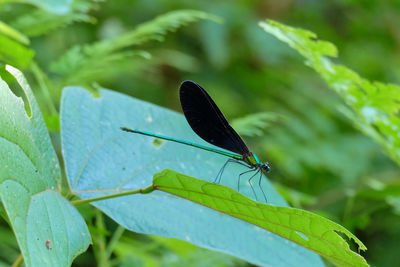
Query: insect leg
(221,171)
(259,185)
(252,188)
(241,175)
(219,174)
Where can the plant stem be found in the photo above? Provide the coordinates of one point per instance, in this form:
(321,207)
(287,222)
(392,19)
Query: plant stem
(40,77)
(99,241)
(114,240)
(145,190)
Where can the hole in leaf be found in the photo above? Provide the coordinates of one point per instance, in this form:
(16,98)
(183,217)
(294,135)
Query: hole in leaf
(16,89)
(302,235)
(353,245)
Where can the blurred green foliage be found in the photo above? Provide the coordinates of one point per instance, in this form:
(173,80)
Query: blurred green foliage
(320,160)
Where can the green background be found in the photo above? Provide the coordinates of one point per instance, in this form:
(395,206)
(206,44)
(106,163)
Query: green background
(320,161)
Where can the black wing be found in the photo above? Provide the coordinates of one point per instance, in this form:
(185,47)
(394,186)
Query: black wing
(206,119)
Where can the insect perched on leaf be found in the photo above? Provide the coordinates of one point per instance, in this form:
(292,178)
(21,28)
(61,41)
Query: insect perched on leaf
(208,122)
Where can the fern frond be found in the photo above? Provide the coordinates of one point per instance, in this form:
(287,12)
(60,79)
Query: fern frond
(93,67)
(254,124)
(41,21)
(156,29)
(373,106)
(81,62)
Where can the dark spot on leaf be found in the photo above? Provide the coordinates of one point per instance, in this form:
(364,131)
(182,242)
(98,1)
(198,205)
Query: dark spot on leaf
(48,244)
(157,142)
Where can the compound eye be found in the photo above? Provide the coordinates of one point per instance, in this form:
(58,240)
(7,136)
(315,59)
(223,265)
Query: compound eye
(267,168)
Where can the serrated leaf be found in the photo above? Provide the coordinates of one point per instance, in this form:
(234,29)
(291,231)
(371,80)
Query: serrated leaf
(374,106)
(28,168)
(101,159)
(302,227)
(156,29)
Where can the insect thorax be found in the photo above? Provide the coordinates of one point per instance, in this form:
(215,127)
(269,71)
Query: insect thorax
(251,159)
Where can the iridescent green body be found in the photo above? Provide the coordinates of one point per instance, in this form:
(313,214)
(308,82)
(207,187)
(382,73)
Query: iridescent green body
(251,159)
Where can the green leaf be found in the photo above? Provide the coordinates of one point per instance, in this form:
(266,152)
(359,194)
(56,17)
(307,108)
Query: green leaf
(87,63)
(12,52)
(101,159)
(302,227)
(379,190)
(373,106)
(14,34)
(395,203)
(29,167)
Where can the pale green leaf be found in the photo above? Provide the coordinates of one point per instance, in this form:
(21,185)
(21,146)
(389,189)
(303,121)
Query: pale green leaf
(66,235)
(29,167)
(101,159)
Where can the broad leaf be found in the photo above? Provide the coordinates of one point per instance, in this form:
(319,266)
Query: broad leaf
(302,227)
(29,167)
(66,236)
(374,106)
(101,159)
